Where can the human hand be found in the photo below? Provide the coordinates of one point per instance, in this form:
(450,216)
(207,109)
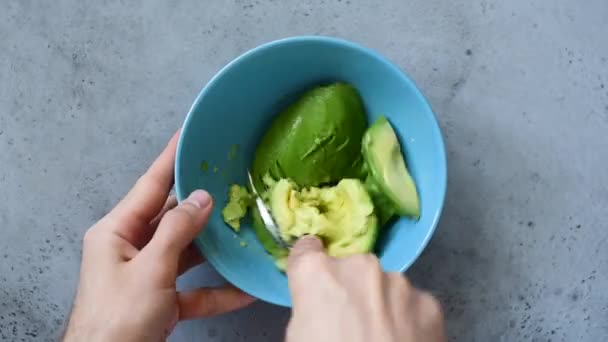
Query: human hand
(132,257)
(351,299)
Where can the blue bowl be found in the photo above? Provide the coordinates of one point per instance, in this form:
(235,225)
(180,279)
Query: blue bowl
(233,111)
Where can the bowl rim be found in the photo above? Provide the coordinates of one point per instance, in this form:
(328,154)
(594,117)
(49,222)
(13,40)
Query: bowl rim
(442,184)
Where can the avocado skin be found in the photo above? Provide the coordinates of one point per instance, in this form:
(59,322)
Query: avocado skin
(315,141)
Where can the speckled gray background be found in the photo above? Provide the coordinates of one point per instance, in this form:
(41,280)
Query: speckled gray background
(91,90)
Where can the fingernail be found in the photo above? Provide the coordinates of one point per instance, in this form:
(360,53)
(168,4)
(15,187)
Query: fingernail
(199,198)
(309,238)
(309,242)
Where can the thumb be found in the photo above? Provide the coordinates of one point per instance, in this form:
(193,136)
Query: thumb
(206,302)
(307,261)
(306,246)
(180,225)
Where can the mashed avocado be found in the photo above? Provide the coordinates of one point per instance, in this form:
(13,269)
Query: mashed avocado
(342,215)
(239,201)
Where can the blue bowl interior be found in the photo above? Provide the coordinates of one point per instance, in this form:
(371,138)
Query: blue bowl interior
(237,105)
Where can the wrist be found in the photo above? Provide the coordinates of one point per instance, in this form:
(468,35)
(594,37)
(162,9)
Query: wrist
(95,330)
(77,332)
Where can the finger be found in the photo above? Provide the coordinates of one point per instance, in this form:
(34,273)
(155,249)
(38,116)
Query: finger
(429,308)
(145,235)
(206,302)
(306,259)
(169,204)
(429,316)
(148,196)
(308,244)
(400,297)
(179,226)
(190,258)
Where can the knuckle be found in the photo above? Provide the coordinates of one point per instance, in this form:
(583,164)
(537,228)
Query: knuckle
(90,236)
(431,306)
(397,279)
(404,282)
(96,239)
(401,285)
(179,216)
(367,262)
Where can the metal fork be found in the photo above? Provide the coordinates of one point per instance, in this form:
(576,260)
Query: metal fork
(267,218)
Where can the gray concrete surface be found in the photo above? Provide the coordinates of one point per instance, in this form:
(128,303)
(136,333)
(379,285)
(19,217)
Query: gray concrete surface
(91,91)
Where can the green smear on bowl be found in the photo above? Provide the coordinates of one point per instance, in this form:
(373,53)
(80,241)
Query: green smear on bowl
(234,149)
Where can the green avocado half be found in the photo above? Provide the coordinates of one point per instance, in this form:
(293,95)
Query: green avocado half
(388,181)
(315,141)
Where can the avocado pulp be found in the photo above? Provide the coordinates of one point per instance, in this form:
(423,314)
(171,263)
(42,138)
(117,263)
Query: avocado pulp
(388,179)
(342,215)
(239,200)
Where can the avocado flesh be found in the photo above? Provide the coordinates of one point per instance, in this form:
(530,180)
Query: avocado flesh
(342,215)
(385,209)
(388,180)
(239,201)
